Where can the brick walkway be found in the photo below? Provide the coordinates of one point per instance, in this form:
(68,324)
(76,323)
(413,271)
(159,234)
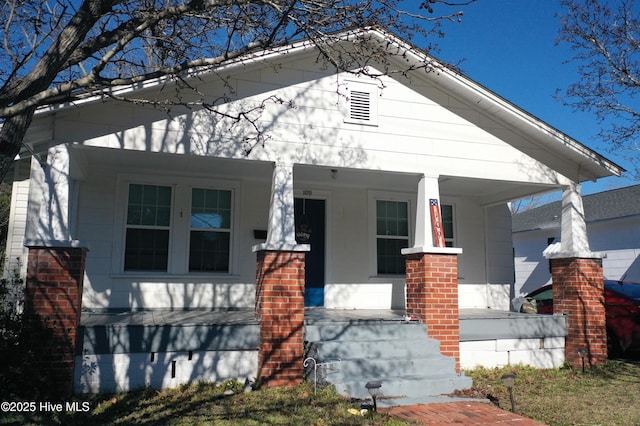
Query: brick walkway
(461,413)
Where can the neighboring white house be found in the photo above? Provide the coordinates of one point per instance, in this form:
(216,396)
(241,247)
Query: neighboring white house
(613,227)
(171,205)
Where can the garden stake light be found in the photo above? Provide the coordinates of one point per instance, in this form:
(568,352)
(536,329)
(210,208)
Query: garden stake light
(509,380)
(582,352)
(374,390)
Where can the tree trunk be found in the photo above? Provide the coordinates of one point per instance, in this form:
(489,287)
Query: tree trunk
(11,135)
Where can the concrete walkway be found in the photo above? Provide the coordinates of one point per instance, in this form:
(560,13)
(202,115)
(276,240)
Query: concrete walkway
(460,413)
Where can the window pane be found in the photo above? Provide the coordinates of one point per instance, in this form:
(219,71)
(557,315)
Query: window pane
(135,194)
(390,259)
(209,251)
(146,250)
(403,227)
(225,200)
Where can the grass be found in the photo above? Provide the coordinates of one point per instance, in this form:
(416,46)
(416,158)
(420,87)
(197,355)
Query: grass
(604,395)
(608,394)
(206,404)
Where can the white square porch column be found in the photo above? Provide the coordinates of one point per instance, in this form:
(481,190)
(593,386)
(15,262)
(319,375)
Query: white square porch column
(574,241)
(426,233)
(281,232)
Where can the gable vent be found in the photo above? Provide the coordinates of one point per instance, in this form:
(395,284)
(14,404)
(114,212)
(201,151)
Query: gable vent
(360,105)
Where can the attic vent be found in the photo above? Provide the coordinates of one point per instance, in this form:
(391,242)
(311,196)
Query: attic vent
(360,105)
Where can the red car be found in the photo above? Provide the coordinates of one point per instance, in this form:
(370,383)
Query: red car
(622,304)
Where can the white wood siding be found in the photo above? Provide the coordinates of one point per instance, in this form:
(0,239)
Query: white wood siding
(16,252)
(415,132)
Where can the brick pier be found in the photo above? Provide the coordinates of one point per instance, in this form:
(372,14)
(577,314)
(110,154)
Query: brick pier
(53,297)
(578,292)
(432,294)
(280,309)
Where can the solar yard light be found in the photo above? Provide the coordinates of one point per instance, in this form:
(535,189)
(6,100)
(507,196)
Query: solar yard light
(374,390)
(509,380)
(582,353)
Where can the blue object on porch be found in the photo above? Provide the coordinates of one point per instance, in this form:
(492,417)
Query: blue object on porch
(314,296)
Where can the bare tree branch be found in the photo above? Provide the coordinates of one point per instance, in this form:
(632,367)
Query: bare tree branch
(57,49)
(605,37)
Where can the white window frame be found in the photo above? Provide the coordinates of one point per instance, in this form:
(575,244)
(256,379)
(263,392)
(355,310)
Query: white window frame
(221,230)
(372,90)
(373,197)
(166,228)
(180,228)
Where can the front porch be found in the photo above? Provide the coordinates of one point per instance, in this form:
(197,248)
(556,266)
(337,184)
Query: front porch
(122,350)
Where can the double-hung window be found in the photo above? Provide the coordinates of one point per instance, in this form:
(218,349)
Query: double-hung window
(179,228)
(210,230)
(148,228)
(392,235)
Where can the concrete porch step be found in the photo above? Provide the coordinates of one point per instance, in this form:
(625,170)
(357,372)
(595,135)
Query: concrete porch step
(419,347)
(421,387)
(364,331)
(400,355)
(382,366)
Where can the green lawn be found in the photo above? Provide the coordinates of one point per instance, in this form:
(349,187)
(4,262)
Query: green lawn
(606,395)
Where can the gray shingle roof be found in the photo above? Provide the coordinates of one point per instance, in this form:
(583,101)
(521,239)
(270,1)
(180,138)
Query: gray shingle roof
(615,203)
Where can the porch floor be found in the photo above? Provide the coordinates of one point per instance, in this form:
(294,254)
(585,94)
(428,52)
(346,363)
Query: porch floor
(247,316)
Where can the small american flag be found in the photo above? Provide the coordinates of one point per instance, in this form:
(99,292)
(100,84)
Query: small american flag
(433,201)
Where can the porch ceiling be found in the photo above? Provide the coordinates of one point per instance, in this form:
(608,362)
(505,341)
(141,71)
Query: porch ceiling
(489,192)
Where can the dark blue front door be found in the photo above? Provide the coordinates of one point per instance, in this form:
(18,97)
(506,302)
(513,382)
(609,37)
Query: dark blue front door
(310,229)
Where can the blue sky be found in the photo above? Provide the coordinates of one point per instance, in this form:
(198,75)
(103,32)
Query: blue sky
(509,47)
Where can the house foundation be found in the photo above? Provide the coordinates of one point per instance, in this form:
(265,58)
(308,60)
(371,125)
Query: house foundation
(53,297)
(432,295)
(280,309)
(578,293)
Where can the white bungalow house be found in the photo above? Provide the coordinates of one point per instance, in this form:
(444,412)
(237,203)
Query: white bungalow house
(171,208)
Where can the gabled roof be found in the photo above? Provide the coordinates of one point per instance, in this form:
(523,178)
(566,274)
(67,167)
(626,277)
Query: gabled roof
(534,135)
(612,204)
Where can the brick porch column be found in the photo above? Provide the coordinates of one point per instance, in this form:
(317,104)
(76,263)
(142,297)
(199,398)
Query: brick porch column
(578,292)
(578,284)
(53,299)
(432,295)
(280,309)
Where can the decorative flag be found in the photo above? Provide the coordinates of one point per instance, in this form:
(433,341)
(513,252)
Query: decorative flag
(436,223)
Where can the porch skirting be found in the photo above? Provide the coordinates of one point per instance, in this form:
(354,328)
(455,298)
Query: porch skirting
(121,351)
